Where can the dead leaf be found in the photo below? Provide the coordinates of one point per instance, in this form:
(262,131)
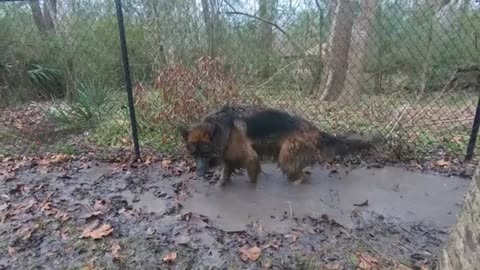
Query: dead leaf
(26,231)
(293,237)
(166,163)
(98,233)
(100,205)
(6,176)
(21,188)
(149,159)
(45,170)
(442,163)
(39,187)
(63,216)
(366,261)
(24,207)
(275,244)
(333,266)
(170,257)
(402,267)
(457,139)
(116,250)
(11,251)
(50,254)
(60,158)
(94,214)
(252,253)
(48,208)
(65,235)
(196,220)
(88,267)
(4,206)
(150,230)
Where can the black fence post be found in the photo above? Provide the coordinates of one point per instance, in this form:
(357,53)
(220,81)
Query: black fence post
(475,126)
(128,80)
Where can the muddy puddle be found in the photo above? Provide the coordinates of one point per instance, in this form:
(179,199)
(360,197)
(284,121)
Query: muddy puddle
(147,201)
(391,192)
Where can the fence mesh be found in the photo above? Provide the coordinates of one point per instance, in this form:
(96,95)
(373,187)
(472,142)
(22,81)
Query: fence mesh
(406,69)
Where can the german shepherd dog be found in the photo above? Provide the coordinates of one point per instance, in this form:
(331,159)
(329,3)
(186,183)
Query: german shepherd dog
(239,136)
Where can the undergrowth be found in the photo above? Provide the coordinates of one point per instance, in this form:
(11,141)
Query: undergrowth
(180,95)
(91,104)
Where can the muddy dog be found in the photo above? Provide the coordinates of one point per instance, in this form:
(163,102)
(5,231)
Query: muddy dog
(239,136)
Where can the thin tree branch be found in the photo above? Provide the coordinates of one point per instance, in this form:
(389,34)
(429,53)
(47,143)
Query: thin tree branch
(258,18)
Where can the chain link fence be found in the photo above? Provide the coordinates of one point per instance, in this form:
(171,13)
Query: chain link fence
(406,69)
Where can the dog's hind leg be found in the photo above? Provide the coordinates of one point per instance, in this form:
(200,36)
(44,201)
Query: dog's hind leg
(253,166)
(296,153)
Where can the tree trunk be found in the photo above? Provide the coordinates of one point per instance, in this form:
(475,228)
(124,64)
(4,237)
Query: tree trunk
(462,250)
(379,63)
(209,26)
(449,15)
(267,11)
(47,17)
(317,79)
(43,18)
(427,61)
(338,48)
(437,6)
(362,33)
(38,17)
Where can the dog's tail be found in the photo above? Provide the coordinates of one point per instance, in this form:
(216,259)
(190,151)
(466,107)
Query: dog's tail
(343,145)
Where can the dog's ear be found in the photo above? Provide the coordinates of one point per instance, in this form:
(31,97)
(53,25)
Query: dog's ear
(183,130)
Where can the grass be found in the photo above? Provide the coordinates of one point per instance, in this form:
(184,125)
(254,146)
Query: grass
(91,104)
(66,149)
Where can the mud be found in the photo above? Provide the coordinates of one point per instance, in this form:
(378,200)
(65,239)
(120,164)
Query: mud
(154,213)
(392,192)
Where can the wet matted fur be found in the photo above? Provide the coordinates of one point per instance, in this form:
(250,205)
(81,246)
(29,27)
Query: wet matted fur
(239,136)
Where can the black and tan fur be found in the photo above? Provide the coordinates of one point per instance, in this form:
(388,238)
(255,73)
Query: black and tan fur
(239,136)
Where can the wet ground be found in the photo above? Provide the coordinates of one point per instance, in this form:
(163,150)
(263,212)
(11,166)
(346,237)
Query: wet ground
(85,214)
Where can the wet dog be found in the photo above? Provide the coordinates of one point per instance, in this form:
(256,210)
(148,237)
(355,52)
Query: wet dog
(239,136)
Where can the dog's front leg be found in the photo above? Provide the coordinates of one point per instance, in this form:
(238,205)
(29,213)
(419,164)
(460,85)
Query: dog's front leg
(226,174)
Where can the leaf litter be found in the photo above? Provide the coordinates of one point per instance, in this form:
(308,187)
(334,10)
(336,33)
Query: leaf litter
(94,232)
(100,219)
(252,253)
(170,257)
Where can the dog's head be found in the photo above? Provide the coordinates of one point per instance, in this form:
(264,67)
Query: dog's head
(201,144)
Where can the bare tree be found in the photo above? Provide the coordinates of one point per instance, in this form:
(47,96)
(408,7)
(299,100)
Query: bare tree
(209,26)
(436,6)
(267,11)
(43,17)
(362,34)
(338,48)
(462,250)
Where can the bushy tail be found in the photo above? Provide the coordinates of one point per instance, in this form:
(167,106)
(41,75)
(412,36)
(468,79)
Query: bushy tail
(343,145)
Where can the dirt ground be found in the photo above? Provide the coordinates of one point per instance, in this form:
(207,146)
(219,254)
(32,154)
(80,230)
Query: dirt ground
(59,213)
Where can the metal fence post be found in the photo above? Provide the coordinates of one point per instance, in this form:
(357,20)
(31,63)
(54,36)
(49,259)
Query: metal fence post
(128,80)
(475,126)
